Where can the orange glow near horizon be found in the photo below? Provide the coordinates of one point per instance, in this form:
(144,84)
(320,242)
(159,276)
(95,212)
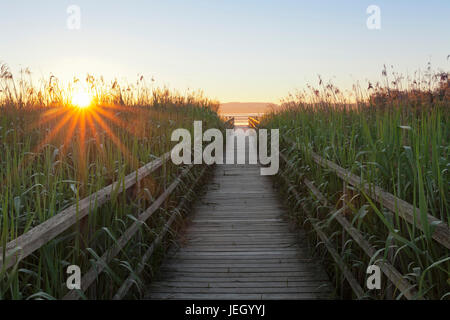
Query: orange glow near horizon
(86,120)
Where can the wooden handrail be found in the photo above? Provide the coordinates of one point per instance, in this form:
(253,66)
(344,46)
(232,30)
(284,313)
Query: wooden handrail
(95,271)
(340,263)
(27,243)
(126,285)
(405,210)
(388,269)
(406,288)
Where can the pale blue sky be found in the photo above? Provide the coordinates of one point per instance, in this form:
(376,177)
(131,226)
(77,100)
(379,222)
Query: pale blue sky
(234,50)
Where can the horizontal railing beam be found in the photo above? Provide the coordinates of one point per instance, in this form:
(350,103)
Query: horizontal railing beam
(112,252)
(440,230)
(334,254)
(123,290)
(388,269)
(406,288)
(27,243)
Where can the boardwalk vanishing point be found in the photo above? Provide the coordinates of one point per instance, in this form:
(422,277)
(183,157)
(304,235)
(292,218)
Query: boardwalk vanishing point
(239,244)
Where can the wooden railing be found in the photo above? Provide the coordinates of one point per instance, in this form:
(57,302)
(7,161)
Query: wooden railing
(95,271)
(27,243)
(408,212)
(393,275)
(174,214)
(23,246)
(440,230)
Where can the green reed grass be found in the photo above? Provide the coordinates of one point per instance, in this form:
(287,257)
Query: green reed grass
(40,177)
(398,140)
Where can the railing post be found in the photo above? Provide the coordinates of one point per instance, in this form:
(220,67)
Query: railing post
(390,257)
(345,212)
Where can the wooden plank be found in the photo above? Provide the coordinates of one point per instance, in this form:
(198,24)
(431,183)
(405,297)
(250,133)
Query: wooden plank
(229,215)
(226,205)
(233,224)
(237,237)
(243,264)
(239,229)
(229,202)
(237,233)
(239,247)
(245,252)
(305,277)
(211,242)
(237,226)
(247,196)
(235,296)
(240,284)
(247,243)
(234,220)
(243,261)
(27,243)
(237,290)
(256,209)
(208,241)
(244,275)
(231,270)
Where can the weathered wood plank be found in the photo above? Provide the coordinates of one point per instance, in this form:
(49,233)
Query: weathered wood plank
(243,264)
(242,261)
(239,247)
(238,290)
(232,270)
(243,275)
(234,220)
(235,296)
(240,284)
(304,277)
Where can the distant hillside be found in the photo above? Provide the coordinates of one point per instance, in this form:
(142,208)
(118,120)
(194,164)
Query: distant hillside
(245,107)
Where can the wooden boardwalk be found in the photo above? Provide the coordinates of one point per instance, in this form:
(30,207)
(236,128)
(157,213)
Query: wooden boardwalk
(239,245)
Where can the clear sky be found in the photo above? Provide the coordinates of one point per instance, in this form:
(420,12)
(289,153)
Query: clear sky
(244,50)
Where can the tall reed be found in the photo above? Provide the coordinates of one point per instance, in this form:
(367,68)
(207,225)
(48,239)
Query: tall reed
(54,154)
(393,137)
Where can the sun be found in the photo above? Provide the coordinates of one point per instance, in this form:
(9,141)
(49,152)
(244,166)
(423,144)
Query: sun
(81,99)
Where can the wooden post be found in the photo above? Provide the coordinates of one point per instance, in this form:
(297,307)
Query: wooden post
(390,258)
(344,205)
